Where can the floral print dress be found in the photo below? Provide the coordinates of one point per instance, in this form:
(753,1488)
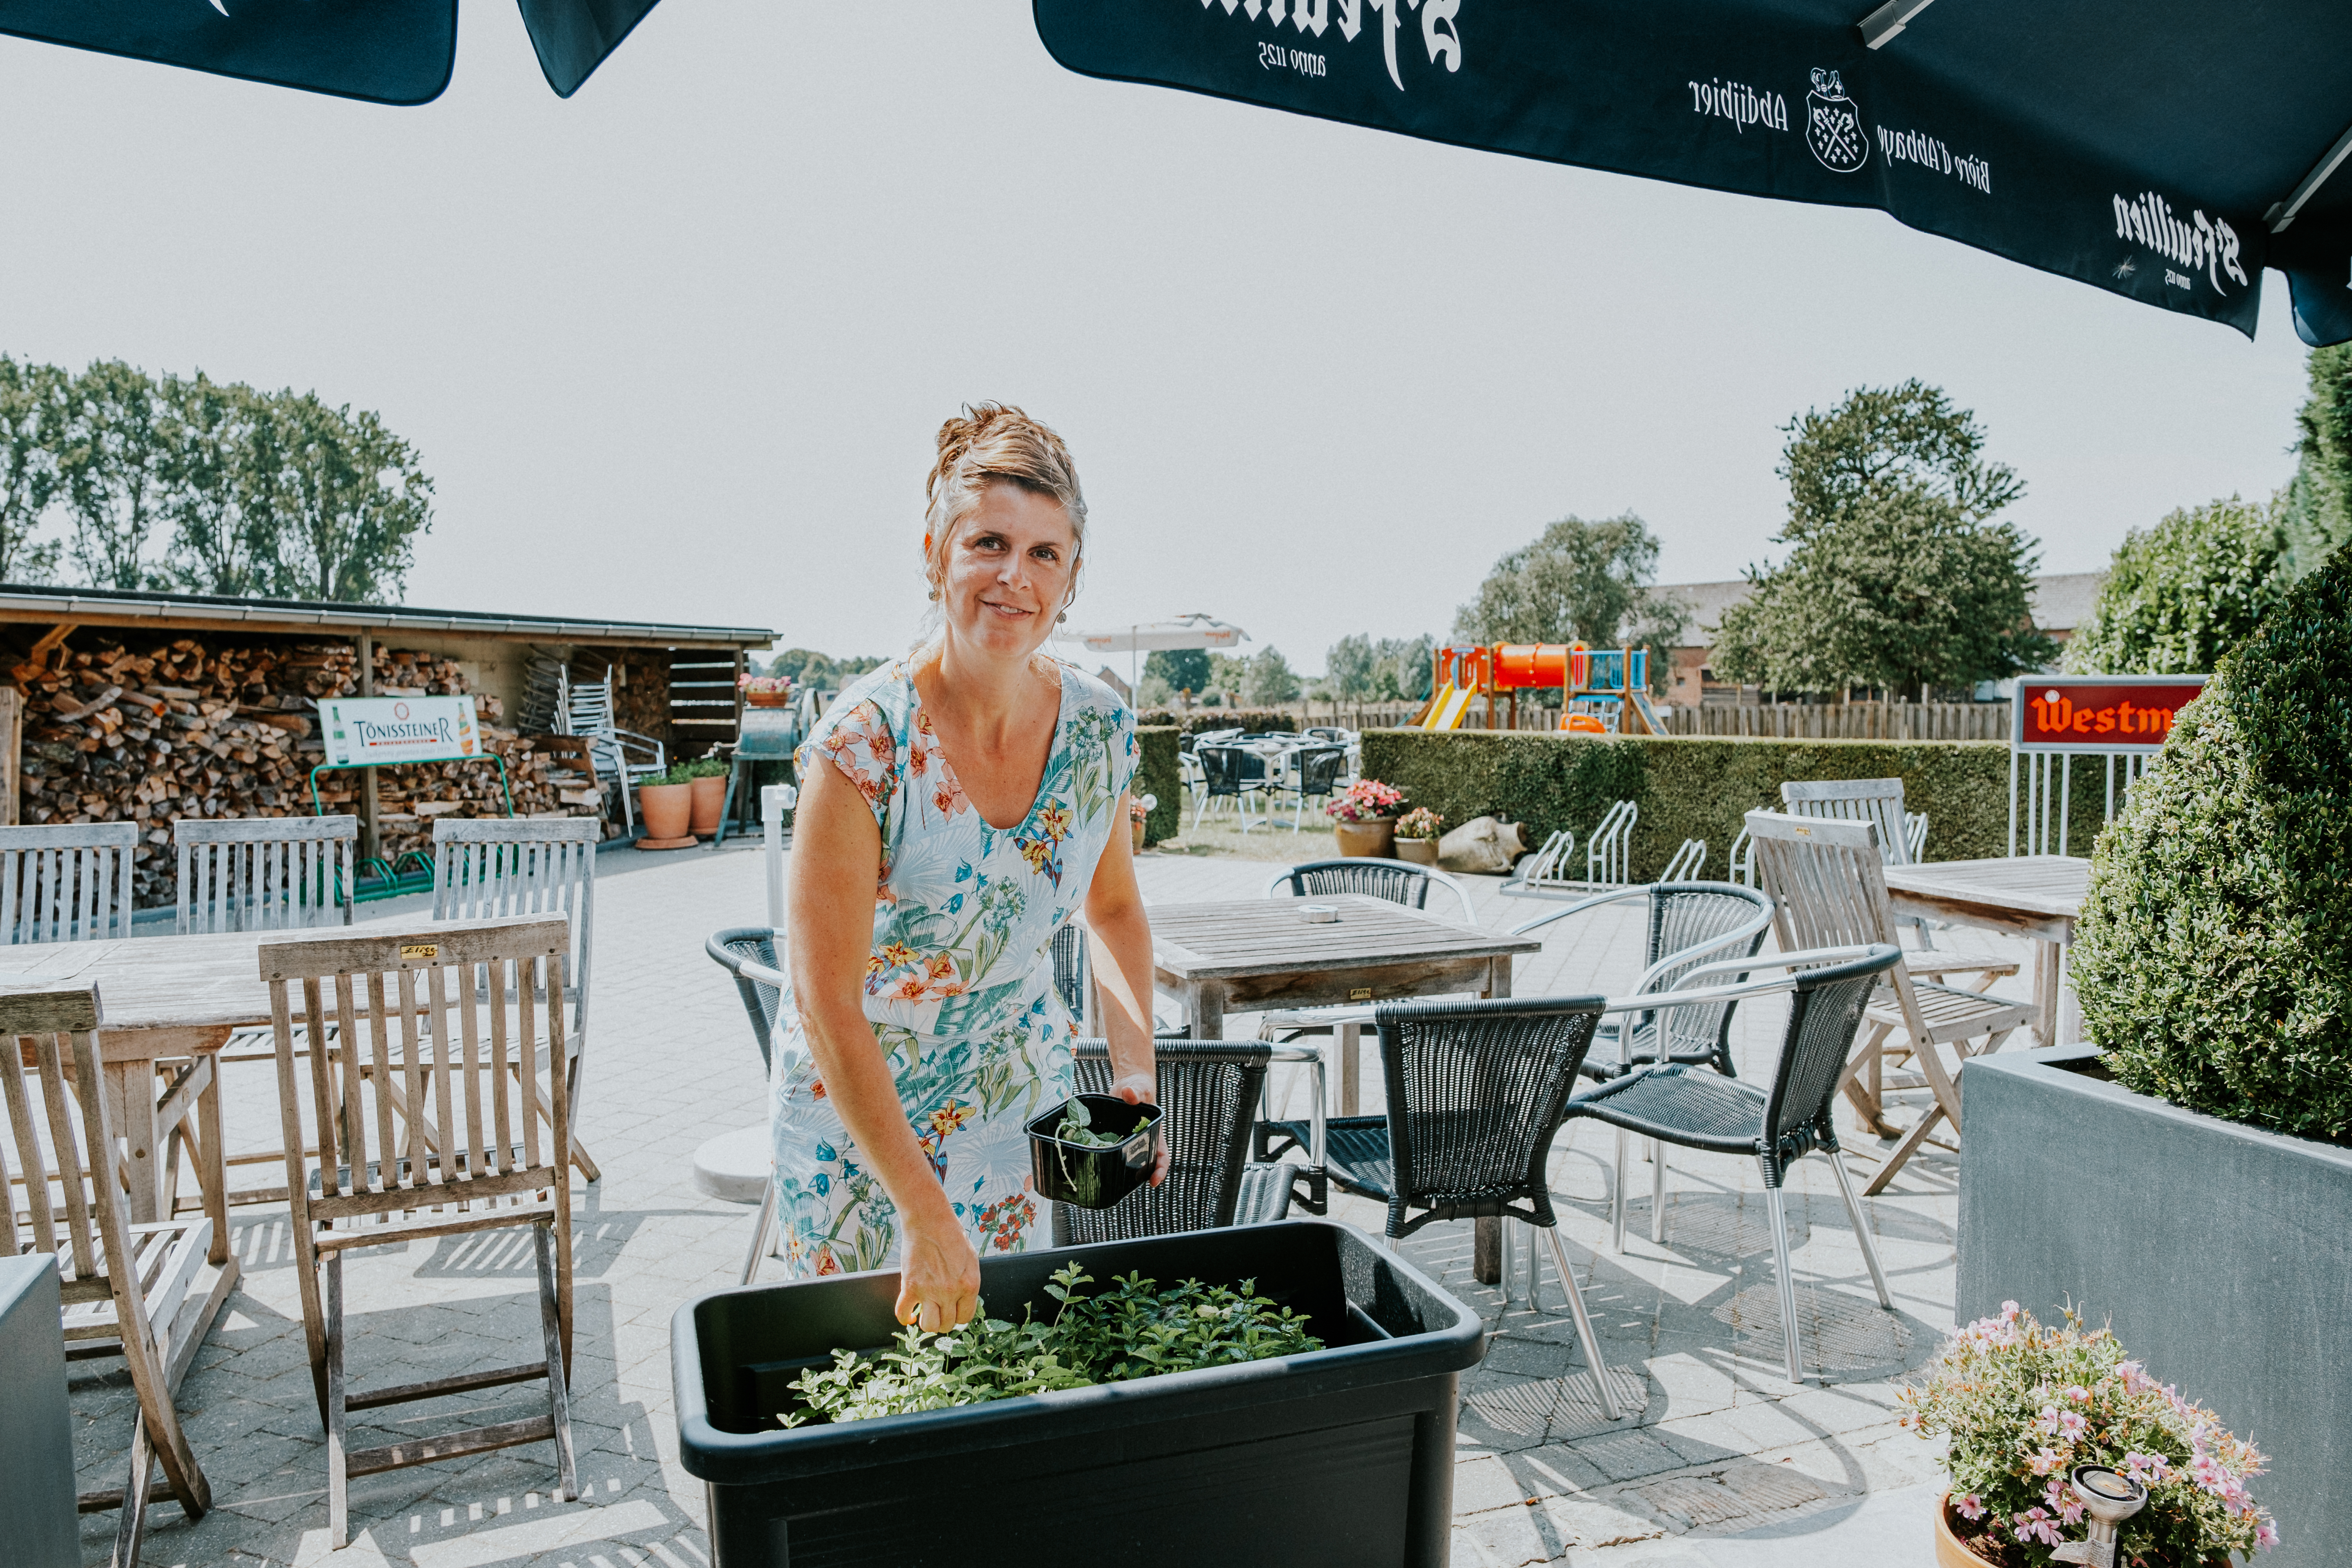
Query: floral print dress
(960,979)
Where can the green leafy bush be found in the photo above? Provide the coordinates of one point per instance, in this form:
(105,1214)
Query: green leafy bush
(1158,775)
(1700,787)
(2214,958)
(2180,596)
(1133,1329)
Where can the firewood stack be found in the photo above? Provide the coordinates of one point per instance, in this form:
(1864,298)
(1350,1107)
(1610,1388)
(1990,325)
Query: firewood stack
(190,731)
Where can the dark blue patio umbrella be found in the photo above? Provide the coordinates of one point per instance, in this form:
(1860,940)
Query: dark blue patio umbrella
(385,51)
(2165,149)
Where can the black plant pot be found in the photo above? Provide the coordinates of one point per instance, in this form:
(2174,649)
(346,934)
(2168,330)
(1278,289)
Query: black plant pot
(1094,1176)
(1341,1457)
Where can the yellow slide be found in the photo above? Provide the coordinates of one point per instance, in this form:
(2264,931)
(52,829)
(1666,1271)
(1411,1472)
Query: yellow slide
(1446,708)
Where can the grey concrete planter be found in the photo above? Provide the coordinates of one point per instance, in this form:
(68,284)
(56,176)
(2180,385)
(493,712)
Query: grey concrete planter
(2219,1254)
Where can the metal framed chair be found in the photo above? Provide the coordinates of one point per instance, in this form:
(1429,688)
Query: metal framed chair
(1230,773)
(1314,772)
(588,711)
(451,1030)
(1210,1090)
(505,867)
(127,1287)
(1398,882)
(65,883)
(1688,923)
(1475,1092)
(1828,880)
(1677,1104)
(750,954)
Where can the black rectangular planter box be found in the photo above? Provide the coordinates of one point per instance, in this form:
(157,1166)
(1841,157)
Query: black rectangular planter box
(2219,1254)
(1341,1456)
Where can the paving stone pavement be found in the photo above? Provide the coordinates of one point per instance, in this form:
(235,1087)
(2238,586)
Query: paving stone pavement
(1718,1463)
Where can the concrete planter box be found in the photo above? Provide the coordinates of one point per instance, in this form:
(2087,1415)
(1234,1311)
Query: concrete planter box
(2219,1254)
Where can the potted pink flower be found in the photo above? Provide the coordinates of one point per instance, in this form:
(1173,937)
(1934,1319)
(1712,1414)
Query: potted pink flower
(1416,835)
(2023,1406)
(766,690)
(1363,817)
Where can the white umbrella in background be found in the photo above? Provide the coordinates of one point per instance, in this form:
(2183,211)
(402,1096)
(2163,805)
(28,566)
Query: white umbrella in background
(1155,636)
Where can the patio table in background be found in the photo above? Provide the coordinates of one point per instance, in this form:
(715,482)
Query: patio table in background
(2036,896)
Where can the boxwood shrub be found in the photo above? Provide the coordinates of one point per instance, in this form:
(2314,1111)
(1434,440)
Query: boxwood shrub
(1155,774)
(2214,958)
(1698,787)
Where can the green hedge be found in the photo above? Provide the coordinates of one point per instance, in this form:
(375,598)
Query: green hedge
(2214,958)
(1700,787)
(1158,775)
(1193,721)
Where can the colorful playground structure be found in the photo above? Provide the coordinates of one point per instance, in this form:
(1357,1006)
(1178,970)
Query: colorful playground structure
(1606,689)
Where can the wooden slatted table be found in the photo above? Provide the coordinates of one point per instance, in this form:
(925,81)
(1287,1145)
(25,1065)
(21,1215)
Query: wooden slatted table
(165,999)
(1252,954)
(2035,896)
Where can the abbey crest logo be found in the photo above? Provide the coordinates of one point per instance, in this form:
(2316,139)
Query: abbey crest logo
(1833,125)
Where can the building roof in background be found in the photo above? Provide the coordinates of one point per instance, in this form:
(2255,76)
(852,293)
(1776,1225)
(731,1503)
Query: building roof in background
(23,602)
(2062,600)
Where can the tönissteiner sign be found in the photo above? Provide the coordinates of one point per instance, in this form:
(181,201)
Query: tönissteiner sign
(2116,715)
(370,731)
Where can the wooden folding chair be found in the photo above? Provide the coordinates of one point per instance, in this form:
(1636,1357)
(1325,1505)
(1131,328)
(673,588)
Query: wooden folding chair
(70,882)
(488,867)
(443,1021)
(1879,802)
(127,1287)
(1827,883)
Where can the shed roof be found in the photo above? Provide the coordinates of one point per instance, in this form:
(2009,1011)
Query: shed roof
(25,603)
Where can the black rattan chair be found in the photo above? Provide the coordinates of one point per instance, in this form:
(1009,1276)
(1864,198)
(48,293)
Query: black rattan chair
(1677,1103)
(1209,1089)
(1476,1092)
(1313,774)
(1690,923)
(749,953)
(1398,882)
(1229,772)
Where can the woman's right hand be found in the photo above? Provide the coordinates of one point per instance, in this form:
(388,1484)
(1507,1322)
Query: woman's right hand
(938,1277)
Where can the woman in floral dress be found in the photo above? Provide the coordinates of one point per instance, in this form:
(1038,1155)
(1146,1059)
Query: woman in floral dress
(956,808)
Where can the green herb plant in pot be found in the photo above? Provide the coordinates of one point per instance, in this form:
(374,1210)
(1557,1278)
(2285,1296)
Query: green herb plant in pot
(707,780)
(666,807)
(2023,1406)
(1363,817)
(1416,835)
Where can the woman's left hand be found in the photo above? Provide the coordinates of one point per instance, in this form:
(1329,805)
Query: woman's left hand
(1143,1088)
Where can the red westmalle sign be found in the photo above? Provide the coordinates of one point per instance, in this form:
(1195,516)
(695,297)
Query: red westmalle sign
(2101,712)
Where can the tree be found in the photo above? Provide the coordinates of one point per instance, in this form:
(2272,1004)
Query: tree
(1183,668)
(2180,594)
(111,462)
(32,430)
(821,672)
(1359,669)
(350,502)
(1900,575)
(2318,509)
(220,473)
(1579,581)
(1270,680)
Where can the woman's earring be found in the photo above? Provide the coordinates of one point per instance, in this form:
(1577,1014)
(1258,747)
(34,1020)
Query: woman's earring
(935,596)
(1062,618)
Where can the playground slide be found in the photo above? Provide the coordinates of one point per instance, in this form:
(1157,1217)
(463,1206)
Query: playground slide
(1447,707)
(1650,720)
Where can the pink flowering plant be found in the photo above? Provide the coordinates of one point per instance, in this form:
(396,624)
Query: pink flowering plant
(2023,1404)
(1366,800)
(765,685)
(1420,823)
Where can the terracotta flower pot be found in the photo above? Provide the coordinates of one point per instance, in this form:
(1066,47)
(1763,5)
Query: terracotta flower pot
(709,801)
(1951,1551)
(1420,851)
(1139,835)
(768,699)
(1376,838)
(667,810)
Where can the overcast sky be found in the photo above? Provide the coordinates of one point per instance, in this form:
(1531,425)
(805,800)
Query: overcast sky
(675,349)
